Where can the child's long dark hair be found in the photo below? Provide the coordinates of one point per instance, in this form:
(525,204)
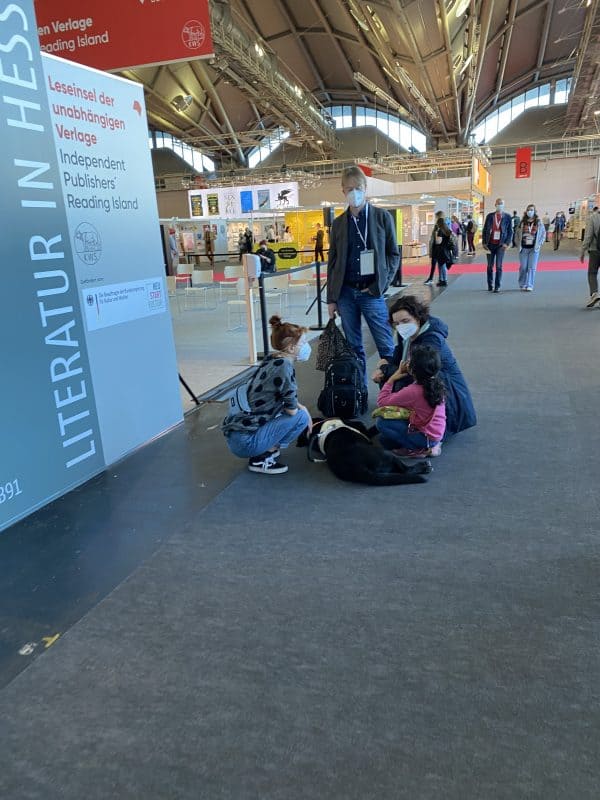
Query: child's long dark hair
(425,366)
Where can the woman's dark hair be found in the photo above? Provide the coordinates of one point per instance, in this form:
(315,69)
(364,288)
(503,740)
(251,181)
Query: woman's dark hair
(425,367)
(284,334)
(525,218)
(441,226)
(415,307)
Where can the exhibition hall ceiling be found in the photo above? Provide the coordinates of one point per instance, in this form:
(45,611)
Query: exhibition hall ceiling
(441,65)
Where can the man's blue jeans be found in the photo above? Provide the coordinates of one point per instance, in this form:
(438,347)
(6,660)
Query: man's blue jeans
(496,254)
(352,303)
(280,431)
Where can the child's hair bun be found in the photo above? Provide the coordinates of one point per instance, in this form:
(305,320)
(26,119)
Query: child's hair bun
(275,321)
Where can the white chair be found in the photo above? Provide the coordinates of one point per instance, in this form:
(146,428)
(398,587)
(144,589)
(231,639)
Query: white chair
(277,288)
(172,290)
(231,276)
(237,306)
(201,289)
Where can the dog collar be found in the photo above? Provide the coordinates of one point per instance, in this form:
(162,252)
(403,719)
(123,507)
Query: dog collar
(331,425)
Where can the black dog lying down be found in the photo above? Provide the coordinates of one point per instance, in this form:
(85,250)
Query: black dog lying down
(352,456)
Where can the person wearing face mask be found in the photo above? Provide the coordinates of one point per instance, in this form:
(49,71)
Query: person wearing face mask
(496,237)
(275,418)
(414,326)
(531,235)
(267,257)
(363,259)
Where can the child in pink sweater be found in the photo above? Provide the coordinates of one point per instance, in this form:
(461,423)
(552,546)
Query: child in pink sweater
(421,434)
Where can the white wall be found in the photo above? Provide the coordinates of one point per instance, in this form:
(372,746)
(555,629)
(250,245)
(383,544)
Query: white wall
(554,184)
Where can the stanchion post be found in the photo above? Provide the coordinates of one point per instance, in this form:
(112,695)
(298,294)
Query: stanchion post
(319,326)
(263,314)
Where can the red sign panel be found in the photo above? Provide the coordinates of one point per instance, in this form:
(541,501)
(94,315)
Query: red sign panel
(523,163)
(132,33)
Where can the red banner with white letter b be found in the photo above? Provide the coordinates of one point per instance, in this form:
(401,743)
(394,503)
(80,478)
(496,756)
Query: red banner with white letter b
(523,163)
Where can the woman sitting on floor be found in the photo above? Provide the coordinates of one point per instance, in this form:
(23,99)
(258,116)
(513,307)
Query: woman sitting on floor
(415,326)
(420,435)
(275,418)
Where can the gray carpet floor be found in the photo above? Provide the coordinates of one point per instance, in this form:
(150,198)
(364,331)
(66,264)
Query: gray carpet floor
(305,638)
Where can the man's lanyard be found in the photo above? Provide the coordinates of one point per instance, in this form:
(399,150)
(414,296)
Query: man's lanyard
(497,222)
(363,238)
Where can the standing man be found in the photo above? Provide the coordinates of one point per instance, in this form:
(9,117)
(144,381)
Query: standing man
(559,226)
(363,258)
(546,221)
(471,228)
(319,240)
(208,246)
(592,245)
(496,237)
(515,224)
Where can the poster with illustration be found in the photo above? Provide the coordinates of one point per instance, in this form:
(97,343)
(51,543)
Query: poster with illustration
(212,201)
(188,241)
(246,201)
(264,197)
(196,201)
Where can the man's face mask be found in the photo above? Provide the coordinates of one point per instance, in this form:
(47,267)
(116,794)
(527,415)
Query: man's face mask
(355,197)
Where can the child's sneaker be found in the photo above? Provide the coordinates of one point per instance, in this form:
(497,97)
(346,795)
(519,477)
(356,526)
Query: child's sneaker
(267,463)
(424,452)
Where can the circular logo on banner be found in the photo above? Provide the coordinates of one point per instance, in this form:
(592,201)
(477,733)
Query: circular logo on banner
(88,244)
(287,252)
(193,34)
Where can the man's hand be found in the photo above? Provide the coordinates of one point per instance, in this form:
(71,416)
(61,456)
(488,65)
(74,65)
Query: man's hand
(504,246)
(582,257)
(332,310)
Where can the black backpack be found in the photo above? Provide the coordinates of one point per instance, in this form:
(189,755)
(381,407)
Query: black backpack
(344,394)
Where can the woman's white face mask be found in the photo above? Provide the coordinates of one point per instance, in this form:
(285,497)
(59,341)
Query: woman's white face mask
(304,351)
(406,329)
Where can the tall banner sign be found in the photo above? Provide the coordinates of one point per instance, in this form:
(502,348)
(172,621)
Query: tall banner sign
(84,318)
(133,33)
(523,162)
(481,178)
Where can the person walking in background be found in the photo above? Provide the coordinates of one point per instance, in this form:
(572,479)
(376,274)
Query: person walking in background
(455,226)
(546,221)
(174,251)
(319,241)
(497,235)
(515,224)
(531,235)
(248,240)
(208,247)
(471,231)
(559,226)
(463,235)
(440,245)
(591,245)
(363,259)
(241,245)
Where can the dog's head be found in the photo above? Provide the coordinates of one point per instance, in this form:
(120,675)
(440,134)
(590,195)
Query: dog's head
(321,429)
